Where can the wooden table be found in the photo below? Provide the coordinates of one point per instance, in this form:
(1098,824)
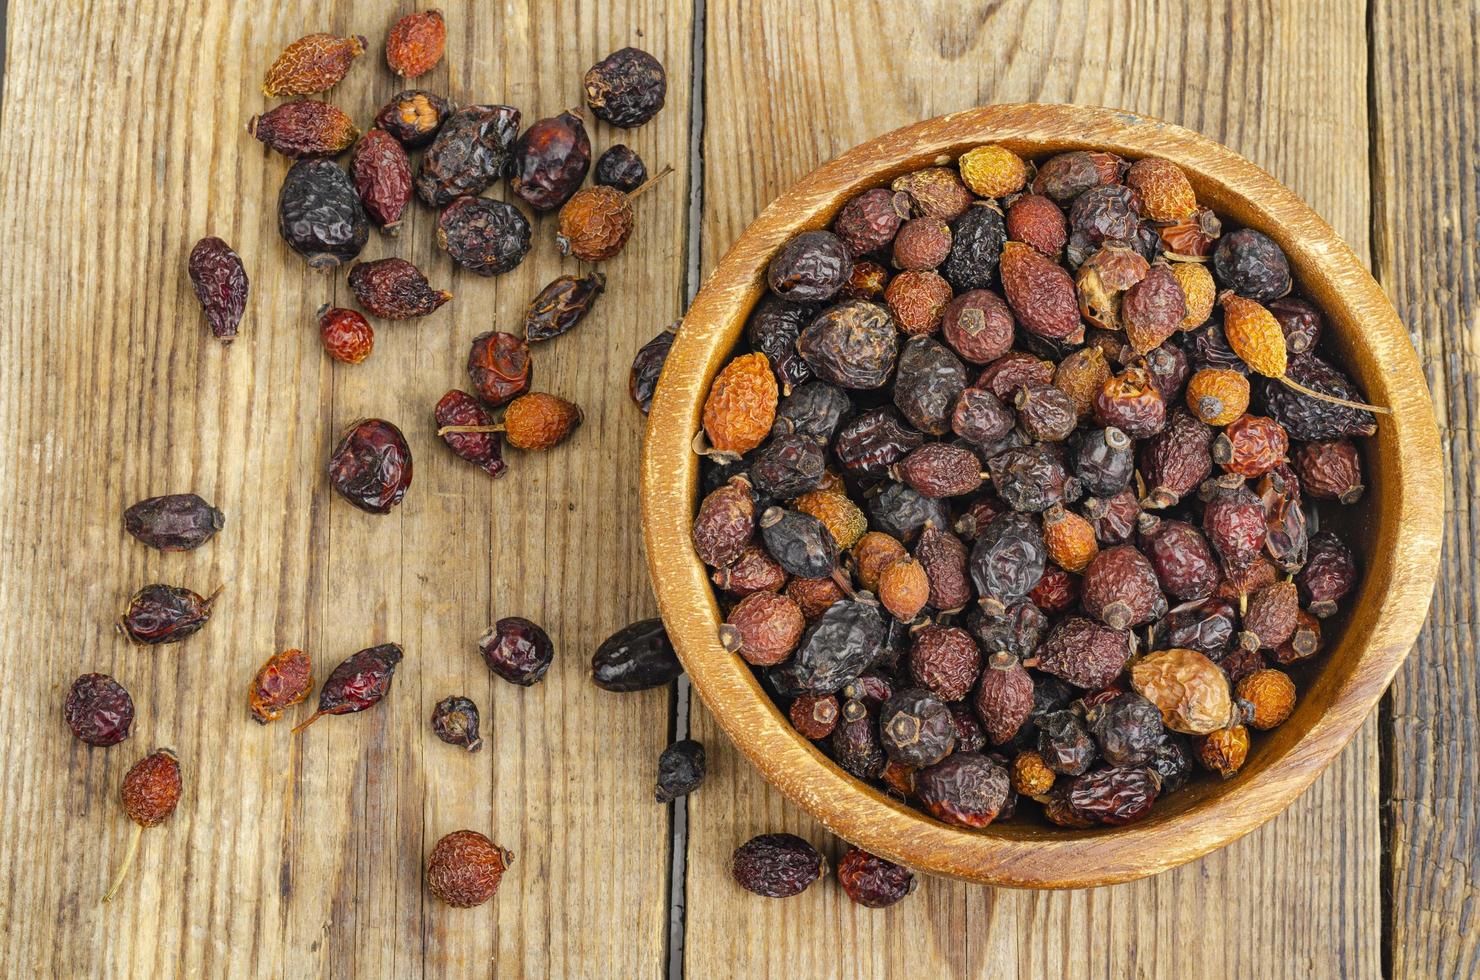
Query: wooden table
(303,856)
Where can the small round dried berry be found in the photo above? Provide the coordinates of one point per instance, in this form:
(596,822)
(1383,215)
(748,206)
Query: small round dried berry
(1272,694)
(98,710)
(1067,175)
(1006,374)
(978,326)
(980,418)
(1223,751)
(841,516)
(1270,617)
(853,344)
(918,300)
(1251,446)
(1328,575)
(465,868)
(680,770)
(1046,413)
(814,596)
(940,469)
(1165,192)
(284,680)
(868,280)
(1254,334)
(916,728)
(869,221)
(1132,404)
(1082,376)
(966,789)
(741,407)
(1252,265)
(382,175)
(814,715)
(595,223)
(763,628)
(1120,588)
(1030,775)
(1153,309)
(1179,553)
(753,571)
(872,881)
(517,650)
(1198,290)
(413,117)
(151,789)
(944,558)
(1037,221)
(1004,700)
(904,589)
(1304,642)
(777,865)
(1190,690)
(621,167)
(1041,293)
(1330,470)
(993,171)
(872,554)
(945,660)
(810,268)
(415,43)
(725,522)
(347,335)
(312,63)
(499,367)
(1069,538)
(305,128)
(1056,592)
(936,192)
(455,721)
(626,88)
(921,244)
(1218,396)
(538,421)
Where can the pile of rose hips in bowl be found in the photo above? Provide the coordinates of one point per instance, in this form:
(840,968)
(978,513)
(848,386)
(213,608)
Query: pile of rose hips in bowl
(1014,490)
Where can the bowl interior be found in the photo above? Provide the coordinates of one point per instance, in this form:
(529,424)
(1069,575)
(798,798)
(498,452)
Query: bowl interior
(1394,530)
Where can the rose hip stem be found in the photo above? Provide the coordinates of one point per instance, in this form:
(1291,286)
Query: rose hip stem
(1289,382)
(667,169)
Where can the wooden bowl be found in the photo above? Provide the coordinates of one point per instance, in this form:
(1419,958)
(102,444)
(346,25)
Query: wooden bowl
(1395,529)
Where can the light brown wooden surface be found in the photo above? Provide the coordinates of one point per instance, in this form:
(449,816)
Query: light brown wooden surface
(303,857)
(1282,93)
(1426,155)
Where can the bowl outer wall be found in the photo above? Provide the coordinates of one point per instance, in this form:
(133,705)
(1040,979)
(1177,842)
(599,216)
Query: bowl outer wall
(1404,473)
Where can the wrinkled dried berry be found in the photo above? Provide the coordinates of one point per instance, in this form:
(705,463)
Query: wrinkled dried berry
(1207,626)
(788,465)
(150,793)
(872,881)
(1183,561)
(1040,293)
(175,522)
(1114,517)
(922,244)
(943,557)
(868,280)
(455,721)
(1066,175)
(473,148)
(550,159)
(1328,575)
(1252,265)
(98,710)
(741,406)
(810,268)
(899,510)
(1101,215)
(680,770)
(1223,751)
(413,117)
(841,516)
(939,469)
(1084,653)
(1063,743)
(1300,322)
(1037,221)
(916,728)
(320,215)
(977,240)
(517,650)
(725,523)
(312,63)
(1132,404)
(929,380)
(936,192)
(1271,694)
(1233,520)
(966,789)
(620,167)
(1190,690)
(1114,796)
(346,335)
(165,614)
(561,305)
(465,868)
(904,589)
(306,128)
(636,657)
(772,329)
(1004,699)
(1165,192)
(1310,419)
(799,542)
(499,368)
(753,571)
(394,289)
(647,366)
(1177,460)
(1045,413)
(852,344)
(855,744)
(357,684)
(868,222)
(371,465)
(486,237)
(1104,461)
(596,222)
(1032,478)
(1251,445)
(945,660)
(381,172)
(626,88)
(1153,309)
(1007,560)
(1127,728)
(815,410)
(1330,470)
(220,284)
(284,680)
(763,628)
(415,43)
(777,865)
(844,641)
(918,301)
(814,715)
(1270,617)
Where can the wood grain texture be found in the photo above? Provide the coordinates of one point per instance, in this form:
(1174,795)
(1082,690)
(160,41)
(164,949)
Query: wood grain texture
(303,857)
(1274,83)
(1426,154)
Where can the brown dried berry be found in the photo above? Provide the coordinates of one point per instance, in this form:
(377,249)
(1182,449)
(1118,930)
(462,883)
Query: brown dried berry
(966,789)
(415,43)
(619,166)
(647,366)
(1120,588)
(918,301)
(98,710)
(1175,461)
(1030,775)
(1272,694)
(1057,591)
(922,244)
(371,465)
(465,868)
(173,522)
(814,715)
(741,406)
(284,680)
(382,175)
(1304,642)
(1084,653)
(626,88)
(1328,575)
(992,171)
(1198,290)
(346,334)
(1233,520)
(776,865)
(904,589)
(1045,413)
(814,596)
(873,553)
(1102,281)
(1300,320)
(939,469)
(868,280)
(945,660)
(935,192)
(916,728)
(320,215)
(763,628)
(1115,796)
(312,63)
(472,149)
(1082,376)
(394,289)
(551,158)
(944,559)
(1131,403)
(1004,699)
(873,882)
(1040,293)
(1153,309)
(165,614)
(455,721)
(1037,221)
(1218,396)
(1165,192)
(1193,237)
(539,421)
(482,449)
(869,221)
(853,344)
(1251,445)
(1270,617)
(595,223)
(1254,334)
(1330,470)
(150,793)
(1184,563)
(1188,688)
(1066,175)
(841,516)
(1223,751)
(1113,517)
(1069,538)
(978,326)
(220,284)
(414,117)
(753,571)
(561,305)
(486,237)
(306,128)
(725,523)
(499,367)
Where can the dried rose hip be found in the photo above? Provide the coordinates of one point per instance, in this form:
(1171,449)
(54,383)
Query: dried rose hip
(550,160)
(414,117)
(872,881)
(1103,461)
(395,289)
(486,237)
(220,284)
(1310,419)
(165,614)
(855,742)
(1252,265)
(312,63)
(150,793)
(358,683)
(1084,653)
(1190,690)
(725,522)
(1300,321)
(499,368)
(741,406)
(320,215)
(814,715)
(482,449)
(1330,470)
(1328,575)
(1040,293)
(1233,520)
(1127,728)
(966,789)
(1131,403)
(1224,750)
(1007,560)
(634,658)
(920,244)
(306,128)
(1184,563)
(561,305)
(1176,461)
(1066,176)
(1271,694)
(777,865)
(1045,413)
(626,88)
(916,728)
(1114,796)
(620,167)
(415,43)
(517,650)
(465,868)
(346,334)
(596,222)
(1218,396)
(763,628)
(284,680)
(927,383)
(98,710)
(647,366)
(1004,700)
(455,721)
(382,175)
(1064,744)
(869,222)
(473,148)
(918,301)
(680,770)
(371,465)
(175,522)
(810,268)
(842,643)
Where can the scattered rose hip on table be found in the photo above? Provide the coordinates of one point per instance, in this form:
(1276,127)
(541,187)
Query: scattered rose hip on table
(465,868)
(306,128)
(320,215)
(470,149)
(626,88)
(313,63)
(680,770)
(346,334)
(98,710)
(455,721)
(371,465)
(414,117)
(150,792)
(284,680)
(517,650)
(165,614)
(636,657)
(415,43)
(358,683)
(220,284)
(777,865)
(175,522)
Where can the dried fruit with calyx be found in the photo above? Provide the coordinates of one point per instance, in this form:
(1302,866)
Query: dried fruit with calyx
(305,128)
(1188,688)
(992,171)
(626,88)
(415,43)
(596,222)
(165,614)
(741,406)
(465,868)
(284,680)
(1040,293)
(763,628)
(221,285)
(1004,699)
(394,289)
(535,422)
(175,522)
(776,865)
(414,117)
(471,149)
(561,305)
(313,63)
(98,710)
(371,466)
(455,721)
(358,683)
(150,792)
(550,159)
(483,449)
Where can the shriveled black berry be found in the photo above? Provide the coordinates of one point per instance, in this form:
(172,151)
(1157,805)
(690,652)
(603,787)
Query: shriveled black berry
(1251,264)
(1032,478)
(622,168)
(680,770)
(1064,744)
(901,512)
(872,881)
(815,409)
(799,542)
(777,865)
(517,650)
(1127,728)
(846,640)
(977,238)
(810,268)
(868,444)
(1007,560)
(929,380)
(772,329)
(1104,461)
(916,728)
(788,465)
(626,88)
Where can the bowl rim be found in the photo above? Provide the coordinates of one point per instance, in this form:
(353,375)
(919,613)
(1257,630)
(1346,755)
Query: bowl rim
(1396,586)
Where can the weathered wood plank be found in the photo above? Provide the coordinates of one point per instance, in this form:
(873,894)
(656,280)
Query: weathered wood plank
(1280,85)
(304,856)
(1426,153)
